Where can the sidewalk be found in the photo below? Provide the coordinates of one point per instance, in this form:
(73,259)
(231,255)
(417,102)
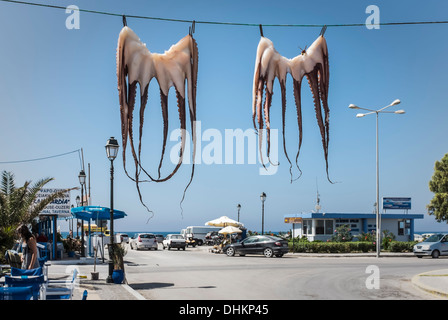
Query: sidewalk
(434,282)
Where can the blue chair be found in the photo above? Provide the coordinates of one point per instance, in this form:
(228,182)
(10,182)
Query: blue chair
(29,272)
(36,282)
(43,253)
(16,293)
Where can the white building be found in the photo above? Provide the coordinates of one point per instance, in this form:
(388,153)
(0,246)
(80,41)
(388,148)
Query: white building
(321,226)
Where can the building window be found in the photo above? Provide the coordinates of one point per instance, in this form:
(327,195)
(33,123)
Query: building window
(320,226)
(401,228)
(324,227)
(307,226)
(329,227)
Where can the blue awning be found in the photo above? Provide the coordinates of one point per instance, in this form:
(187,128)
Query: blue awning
(95,213)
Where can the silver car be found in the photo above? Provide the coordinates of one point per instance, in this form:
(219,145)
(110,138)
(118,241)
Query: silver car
(435,246)
(143,241)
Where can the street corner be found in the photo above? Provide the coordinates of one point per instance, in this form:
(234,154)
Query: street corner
(433,282)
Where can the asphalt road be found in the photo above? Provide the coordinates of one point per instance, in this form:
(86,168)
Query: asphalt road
(200,275)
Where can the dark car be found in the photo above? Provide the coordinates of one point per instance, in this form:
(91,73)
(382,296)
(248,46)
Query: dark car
(266,245)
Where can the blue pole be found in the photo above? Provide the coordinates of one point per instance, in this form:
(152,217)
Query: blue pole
(55,253)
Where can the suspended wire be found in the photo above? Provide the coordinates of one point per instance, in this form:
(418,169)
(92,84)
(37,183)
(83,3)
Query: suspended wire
(227,23)
(38,159)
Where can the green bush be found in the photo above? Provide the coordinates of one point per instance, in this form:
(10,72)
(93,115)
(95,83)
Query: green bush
(332,247)
(399,246)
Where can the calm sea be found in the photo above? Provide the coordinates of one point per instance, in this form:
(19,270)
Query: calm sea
(131,233)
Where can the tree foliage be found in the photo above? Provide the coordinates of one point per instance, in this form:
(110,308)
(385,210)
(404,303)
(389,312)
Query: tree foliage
(439,186)
(18,205)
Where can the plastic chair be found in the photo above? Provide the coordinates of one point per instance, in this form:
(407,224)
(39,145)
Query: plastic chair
(23,272)
(43,253)
(16,293)
(59,292)
(36,282)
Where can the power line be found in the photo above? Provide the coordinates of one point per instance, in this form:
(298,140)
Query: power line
(37,159)
(226,23)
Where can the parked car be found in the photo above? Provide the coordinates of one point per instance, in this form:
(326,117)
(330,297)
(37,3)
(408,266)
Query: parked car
(435,246)
(261,244)
(159,238)
(143,241)
(174,241)
(124,237)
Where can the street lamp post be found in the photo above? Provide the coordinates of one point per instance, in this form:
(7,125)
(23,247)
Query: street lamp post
(239,208)
(82,181)
(377,112)
(263,199)
(111,151)
(78,202)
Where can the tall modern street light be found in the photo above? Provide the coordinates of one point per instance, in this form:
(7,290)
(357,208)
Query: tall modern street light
(360,115)
(263,199)
(111,151)
(239,208)
(82,181)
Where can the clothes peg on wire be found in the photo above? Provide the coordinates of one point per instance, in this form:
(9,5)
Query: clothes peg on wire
(124,21)
(261,30)
(191,29)
(322,31)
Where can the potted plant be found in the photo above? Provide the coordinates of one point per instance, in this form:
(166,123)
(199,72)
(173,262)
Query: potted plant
(69,246)
(117,252)
(95,274)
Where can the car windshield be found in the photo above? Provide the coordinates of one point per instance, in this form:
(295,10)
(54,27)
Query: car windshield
(176,236)
(434,238)
(146,236)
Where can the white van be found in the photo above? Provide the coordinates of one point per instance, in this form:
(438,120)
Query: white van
(198,233)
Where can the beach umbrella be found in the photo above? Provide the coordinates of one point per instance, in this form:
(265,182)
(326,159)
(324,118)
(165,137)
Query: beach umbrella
(224,221)
(95,213)
(229,230)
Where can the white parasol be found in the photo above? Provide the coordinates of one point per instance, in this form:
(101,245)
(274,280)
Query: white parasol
(224,221)
(229,230)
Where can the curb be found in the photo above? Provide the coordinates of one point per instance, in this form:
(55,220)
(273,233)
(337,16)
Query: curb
(416,282)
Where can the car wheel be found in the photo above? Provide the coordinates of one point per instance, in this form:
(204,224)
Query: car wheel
(230,252)
(279,255)
(435,254)
(419,257)
(268,253)
(183,248)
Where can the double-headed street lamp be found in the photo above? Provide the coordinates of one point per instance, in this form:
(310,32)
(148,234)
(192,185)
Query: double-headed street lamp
(82,181)
(263,199)
(377,112)
(111,151)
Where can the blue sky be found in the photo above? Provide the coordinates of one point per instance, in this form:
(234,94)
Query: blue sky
(58,90)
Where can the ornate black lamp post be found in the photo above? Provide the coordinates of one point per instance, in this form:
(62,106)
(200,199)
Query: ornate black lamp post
(82,181)
(111,151)
(239,208)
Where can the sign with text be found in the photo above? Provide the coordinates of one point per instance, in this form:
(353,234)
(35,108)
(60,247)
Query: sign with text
(402,203)
(293,220)
(59,206)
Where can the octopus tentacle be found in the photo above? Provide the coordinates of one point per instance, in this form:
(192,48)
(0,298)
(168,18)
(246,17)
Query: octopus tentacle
(164,104)
(283,94)
(297,95)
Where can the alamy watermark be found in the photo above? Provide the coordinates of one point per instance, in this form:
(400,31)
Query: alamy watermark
(235,146)
(73,20)
(373,280)
(373,20)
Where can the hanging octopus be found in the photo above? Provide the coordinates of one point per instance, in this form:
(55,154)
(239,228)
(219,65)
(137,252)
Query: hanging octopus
(311,63)
(137,65)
